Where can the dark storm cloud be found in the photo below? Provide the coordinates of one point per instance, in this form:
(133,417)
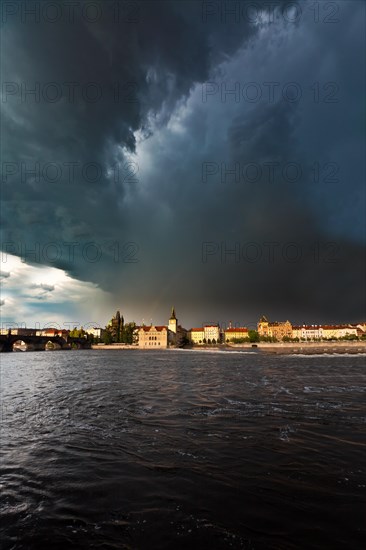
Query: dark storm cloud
(157,233)
(142,65)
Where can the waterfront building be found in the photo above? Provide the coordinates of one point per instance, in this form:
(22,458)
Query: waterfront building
(173,322)
(307,332)
(196,335)
(63,333)
(338,331)
(153,337)
(205,335)
(161,336)
(276,329)
(19,331)
(326,332)
(212,333)
(97,332)
(235,333)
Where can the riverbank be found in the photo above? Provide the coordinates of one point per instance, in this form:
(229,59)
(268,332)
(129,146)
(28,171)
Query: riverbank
(305,348)
(280,348)
(114,346)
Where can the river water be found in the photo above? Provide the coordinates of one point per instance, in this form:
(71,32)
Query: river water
(182,449)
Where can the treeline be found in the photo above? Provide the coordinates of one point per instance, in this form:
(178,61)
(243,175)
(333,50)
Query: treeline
(124,336)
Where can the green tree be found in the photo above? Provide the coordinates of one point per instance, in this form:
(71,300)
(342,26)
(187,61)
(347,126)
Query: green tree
(253,336)
(127,333)
(107,337)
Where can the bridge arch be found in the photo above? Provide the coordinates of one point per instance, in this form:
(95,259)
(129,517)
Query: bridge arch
(52,346)
(19,345)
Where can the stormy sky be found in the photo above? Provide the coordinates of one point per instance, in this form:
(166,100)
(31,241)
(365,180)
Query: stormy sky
(207,155)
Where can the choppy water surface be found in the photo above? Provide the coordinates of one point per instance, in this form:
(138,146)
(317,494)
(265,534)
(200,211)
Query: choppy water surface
(176,449)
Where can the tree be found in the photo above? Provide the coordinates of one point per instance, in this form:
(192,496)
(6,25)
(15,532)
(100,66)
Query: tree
(253,336)
(77,333)
(107,337)
(127,333)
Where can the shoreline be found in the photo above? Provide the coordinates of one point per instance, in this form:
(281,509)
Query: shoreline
(280,348)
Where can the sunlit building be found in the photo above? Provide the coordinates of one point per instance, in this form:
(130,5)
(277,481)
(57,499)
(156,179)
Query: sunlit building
(153,337)
(208,334)
(196,335)
(338,331)
(235,333)
(161,336)
(276,329)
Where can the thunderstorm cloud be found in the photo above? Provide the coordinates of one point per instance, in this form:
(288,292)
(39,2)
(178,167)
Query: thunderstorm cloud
(175,153)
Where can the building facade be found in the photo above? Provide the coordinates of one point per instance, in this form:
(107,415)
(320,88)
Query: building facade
(162,336)
(235,333)
(276,329)
(338,331)
(196,335)
(212,333)
(208,334)
(307,332)
(153,337)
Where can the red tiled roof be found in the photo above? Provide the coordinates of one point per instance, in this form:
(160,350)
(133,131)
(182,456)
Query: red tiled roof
(196,329)
(236,329)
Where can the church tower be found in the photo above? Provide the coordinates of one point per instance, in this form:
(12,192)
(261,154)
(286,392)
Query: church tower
(173,322)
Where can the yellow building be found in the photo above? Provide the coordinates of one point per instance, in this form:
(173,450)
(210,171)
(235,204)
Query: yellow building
(277,329)
(212,333)
(196,335)
(208,334)
(338,331)
(173,322)
(236,333)
(326,332)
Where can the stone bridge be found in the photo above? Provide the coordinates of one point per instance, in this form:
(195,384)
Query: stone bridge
(39,343)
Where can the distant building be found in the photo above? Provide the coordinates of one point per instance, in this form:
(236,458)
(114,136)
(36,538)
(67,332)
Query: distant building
(235,333)
(204,335)
(173,322)
(212,332)
(277,329)
(153,337)
(196,335)
(307,332)
(161,336)
(338,331)
(97,332)
(326,332)
(19,331)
